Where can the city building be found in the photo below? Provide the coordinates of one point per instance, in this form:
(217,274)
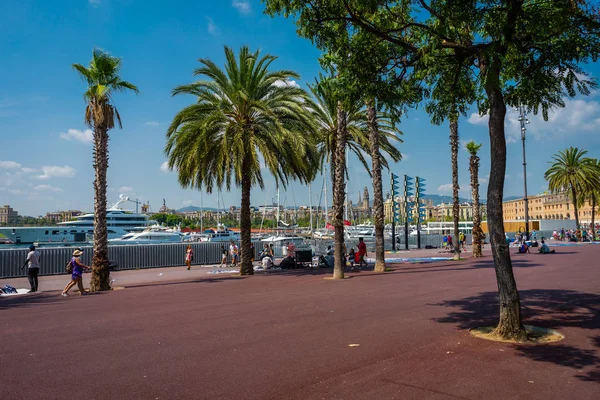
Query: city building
(7,215)
(441,212)
(62,216)
(547,206)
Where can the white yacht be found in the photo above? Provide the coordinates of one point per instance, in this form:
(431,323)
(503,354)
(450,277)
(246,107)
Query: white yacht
(222,234)
(118,221)
(151,235)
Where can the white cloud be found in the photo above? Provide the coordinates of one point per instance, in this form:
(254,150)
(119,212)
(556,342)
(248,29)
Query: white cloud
(9,165)
(164,167)
(447,188)
(53,171)
(212,27)
(187,203)
(242,6)
(152,123)
(285,83)
(47,188)
(95,3)
(579,116)
(28,170)
(477,119)
(79,136)
(126,190)
(483,181)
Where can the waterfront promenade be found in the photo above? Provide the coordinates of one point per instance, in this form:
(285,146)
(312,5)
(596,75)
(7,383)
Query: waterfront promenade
(192,335)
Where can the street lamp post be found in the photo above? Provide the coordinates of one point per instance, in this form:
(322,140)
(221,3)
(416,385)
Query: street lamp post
(524,121)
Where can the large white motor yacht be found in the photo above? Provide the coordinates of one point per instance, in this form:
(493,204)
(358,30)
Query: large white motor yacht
(151,235)
(118,222)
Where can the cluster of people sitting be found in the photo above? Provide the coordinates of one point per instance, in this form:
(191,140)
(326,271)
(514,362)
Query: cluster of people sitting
(354,259)
(543,248)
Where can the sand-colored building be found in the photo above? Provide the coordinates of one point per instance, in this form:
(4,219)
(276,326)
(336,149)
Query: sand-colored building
(547,206)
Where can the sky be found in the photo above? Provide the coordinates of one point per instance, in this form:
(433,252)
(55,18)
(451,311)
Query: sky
(45,147)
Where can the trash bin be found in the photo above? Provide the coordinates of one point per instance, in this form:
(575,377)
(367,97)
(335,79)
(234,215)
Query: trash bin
(304,256)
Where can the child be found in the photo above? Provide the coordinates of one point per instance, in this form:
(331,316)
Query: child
(351,258)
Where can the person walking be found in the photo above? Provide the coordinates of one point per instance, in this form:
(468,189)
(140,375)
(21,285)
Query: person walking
(77,267)
(189,257)
(223,257)
(462,242)
(362,252)
(233,250)
(33,268)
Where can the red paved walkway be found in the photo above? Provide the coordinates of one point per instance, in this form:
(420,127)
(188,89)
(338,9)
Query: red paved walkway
(286,336)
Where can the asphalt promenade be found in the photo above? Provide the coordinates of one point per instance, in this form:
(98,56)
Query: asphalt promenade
(294,335)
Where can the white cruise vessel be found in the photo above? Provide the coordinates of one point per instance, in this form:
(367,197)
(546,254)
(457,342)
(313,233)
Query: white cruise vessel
(223,234)
(118,221)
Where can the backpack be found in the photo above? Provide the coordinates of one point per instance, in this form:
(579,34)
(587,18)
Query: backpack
(69,267)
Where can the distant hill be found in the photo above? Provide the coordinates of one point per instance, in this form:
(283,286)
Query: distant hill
(439,199)
(194,208)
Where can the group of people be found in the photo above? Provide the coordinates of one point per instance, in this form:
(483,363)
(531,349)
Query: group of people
(352,257)
(543,247)
(75,267)
(573,235)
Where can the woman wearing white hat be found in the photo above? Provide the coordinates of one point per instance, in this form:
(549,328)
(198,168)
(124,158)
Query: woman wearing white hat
(76,267)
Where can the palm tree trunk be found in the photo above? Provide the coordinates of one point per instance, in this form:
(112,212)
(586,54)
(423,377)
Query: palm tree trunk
(455,186)
(246,224)
(509,324)
(377,187)
(575,206)
(100,279)
(474,168)
(339,194)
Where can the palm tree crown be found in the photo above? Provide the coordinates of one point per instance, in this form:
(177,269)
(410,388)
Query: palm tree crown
(324,107)
(244,116)
(572,171)
(473,148)
(102,78)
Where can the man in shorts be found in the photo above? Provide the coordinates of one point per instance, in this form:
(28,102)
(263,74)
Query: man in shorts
(234,251)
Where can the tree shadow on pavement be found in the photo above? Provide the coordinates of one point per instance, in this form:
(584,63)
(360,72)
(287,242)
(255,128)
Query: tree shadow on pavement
(549,308)
(225,278)
(39,298)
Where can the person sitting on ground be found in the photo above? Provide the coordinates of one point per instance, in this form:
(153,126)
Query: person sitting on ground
(544,249)
(329,251)
(287,262)
(524,249)
(267,262)
(265,252)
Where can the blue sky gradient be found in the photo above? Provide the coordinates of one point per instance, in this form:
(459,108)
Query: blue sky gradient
(46,153)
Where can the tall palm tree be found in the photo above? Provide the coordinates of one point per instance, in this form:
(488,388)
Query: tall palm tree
(572,171)
(245,115)
(473,148)
(102,79)
(355,122)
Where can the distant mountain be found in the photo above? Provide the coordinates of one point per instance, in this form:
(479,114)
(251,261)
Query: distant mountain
(194,208)
(439,199)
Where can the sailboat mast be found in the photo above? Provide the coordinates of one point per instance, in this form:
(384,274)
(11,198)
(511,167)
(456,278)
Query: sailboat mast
(277,222)
(310,208)
(325,190)
(201,212)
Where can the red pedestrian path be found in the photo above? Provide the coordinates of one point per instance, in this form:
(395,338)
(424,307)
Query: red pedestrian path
(287,336)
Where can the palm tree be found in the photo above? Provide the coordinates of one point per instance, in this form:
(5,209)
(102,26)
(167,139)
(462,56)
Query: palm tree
(591,192)
(473,148)
(102,79)
(327,111)
(245,115)
(571,171)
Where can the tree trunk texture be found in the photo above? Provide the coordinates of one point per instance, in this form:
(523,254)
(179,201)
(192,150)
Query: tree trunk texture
(474,169)
(100,279)
(575,206)
(455,186)
(509,325)
(246,267)
(339,194)
(377,187)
